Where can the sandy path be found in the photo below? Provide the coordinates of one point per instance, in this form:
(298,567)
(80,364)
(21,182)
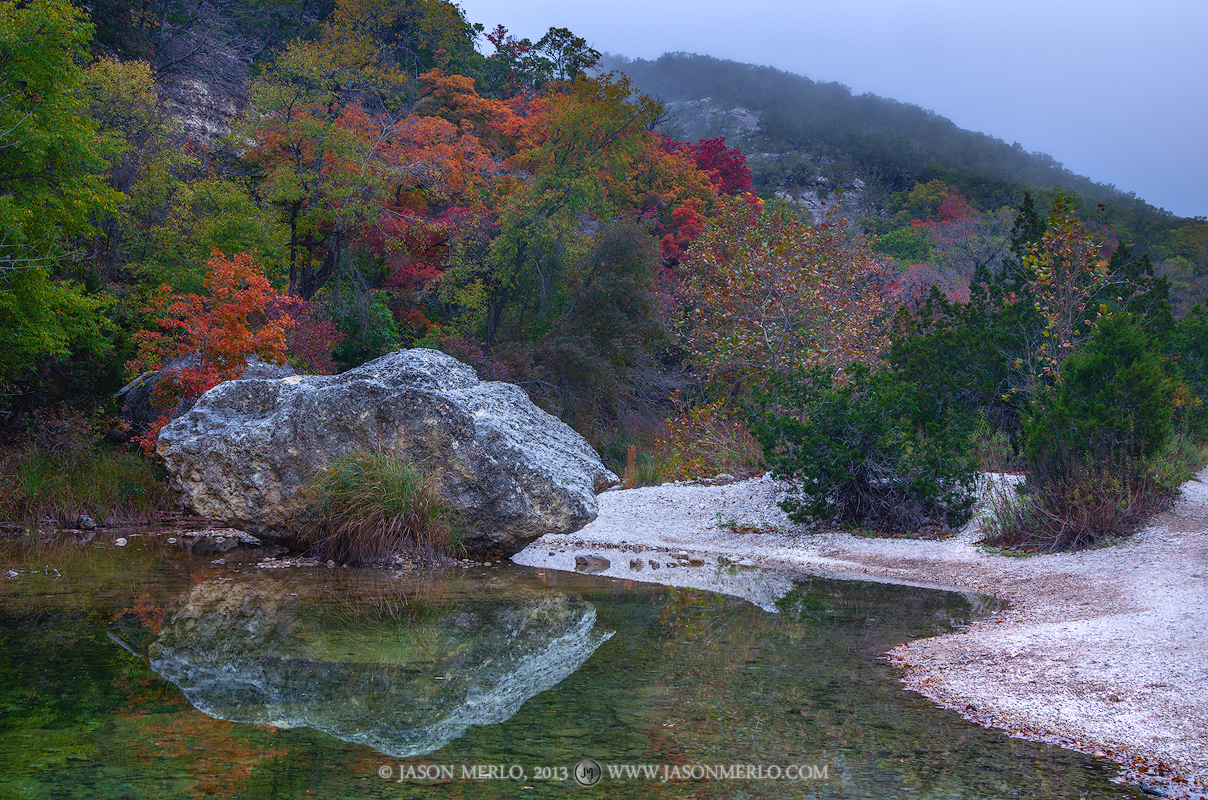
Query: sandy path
(1104,651)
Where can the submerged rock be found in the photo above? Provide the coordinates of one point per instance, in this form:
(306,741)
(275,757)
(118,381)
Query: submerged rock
(405,681)
(511,471)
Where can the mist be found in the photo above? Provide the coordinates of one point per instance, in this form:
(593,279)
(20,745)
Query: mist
(1112,90)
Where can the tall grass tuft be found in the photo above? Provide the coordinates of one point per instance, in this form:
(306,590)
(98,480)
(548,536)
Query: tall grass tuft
(112,487)
(366,506)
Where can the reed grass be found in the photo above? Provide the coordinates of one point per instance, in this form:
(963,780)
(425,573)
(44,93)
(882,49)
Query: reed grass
(111,486)
(367,506)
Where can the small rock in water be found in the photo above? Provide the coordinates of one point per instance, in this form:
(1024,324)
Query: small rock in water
(120,542)
(696,562)
(211,544)
(592,563)
(636,563)
(85,523)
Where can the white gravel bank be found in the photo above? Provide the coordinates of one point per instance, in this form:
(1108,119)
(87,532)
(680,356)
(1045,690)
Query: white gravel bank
(1103,651)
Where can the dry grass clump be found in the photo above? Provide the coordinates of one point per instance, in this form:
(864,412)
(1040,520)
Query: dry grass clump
(703,441)
(1088,505)
(364,507)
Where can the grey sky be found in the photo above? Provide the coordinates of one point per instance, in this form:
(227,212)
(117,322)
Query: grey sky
(1117,91)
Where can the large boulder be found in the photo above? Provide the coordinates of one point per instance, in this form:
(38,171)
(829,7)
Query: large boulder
(511,471)
(140,410)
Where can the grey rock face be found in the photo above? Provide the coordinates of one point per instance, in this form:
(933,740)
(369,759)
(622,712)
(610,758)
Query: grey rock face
(246,650)
(139,410)
(511,471)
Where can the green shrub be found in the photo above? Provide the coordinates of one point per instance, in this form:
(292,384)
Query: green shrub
(1111,405)
(366,506)
(869,451)
(1099,446)
(1188,349)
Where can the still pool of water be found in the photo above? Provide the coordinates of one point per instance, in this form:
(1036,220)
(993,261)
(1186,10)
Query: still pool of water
(145,672)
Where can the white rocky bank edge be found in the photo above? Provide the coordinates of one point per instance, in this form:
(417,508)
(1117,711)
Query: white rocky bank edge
(1104,651)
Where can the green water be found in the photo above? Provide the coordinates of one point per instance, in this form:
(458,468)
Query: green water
(655,678)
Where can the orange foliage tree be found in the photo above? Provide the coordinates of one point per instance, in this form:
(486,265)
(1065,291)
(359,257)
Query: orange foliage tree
(239,317)
(768,293)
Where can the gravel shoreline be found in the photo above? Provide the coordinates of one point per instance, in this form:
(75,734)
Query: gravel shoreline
(1103,651)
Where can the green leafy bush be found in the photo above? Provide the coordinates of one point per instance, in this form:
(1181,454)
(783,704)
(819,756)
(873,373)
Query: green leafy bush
(1112,405)
(869,450)
(1188,349)
(367,506)
(1097,446)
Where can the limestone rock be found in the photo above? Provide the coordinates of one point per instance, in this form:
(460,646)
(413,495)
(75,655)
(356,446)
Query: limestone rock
(139,411)
(511,471)
(592,563)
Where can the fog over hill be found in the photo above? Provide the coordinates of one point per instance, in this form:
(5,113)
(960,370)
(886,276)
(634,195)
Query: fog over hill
(802,133)
(1111,89)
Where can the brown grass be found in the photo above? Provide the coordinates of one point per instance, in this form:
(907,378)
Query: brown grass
(367,506)
(1090,504)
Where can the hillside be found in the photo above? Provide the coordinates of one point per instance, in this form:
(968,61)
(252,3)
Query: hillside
(805,140)
(855,136)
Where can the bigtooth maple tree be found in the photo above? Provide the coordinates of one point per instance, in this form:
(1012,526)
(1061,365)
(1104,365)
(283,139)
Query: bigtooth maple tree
(579,148)
(769,293)
(240,316)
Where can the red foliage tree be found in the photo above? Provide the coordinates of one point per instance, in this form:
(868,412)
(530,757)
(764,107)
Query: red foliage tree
(240,316)
(726,167)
